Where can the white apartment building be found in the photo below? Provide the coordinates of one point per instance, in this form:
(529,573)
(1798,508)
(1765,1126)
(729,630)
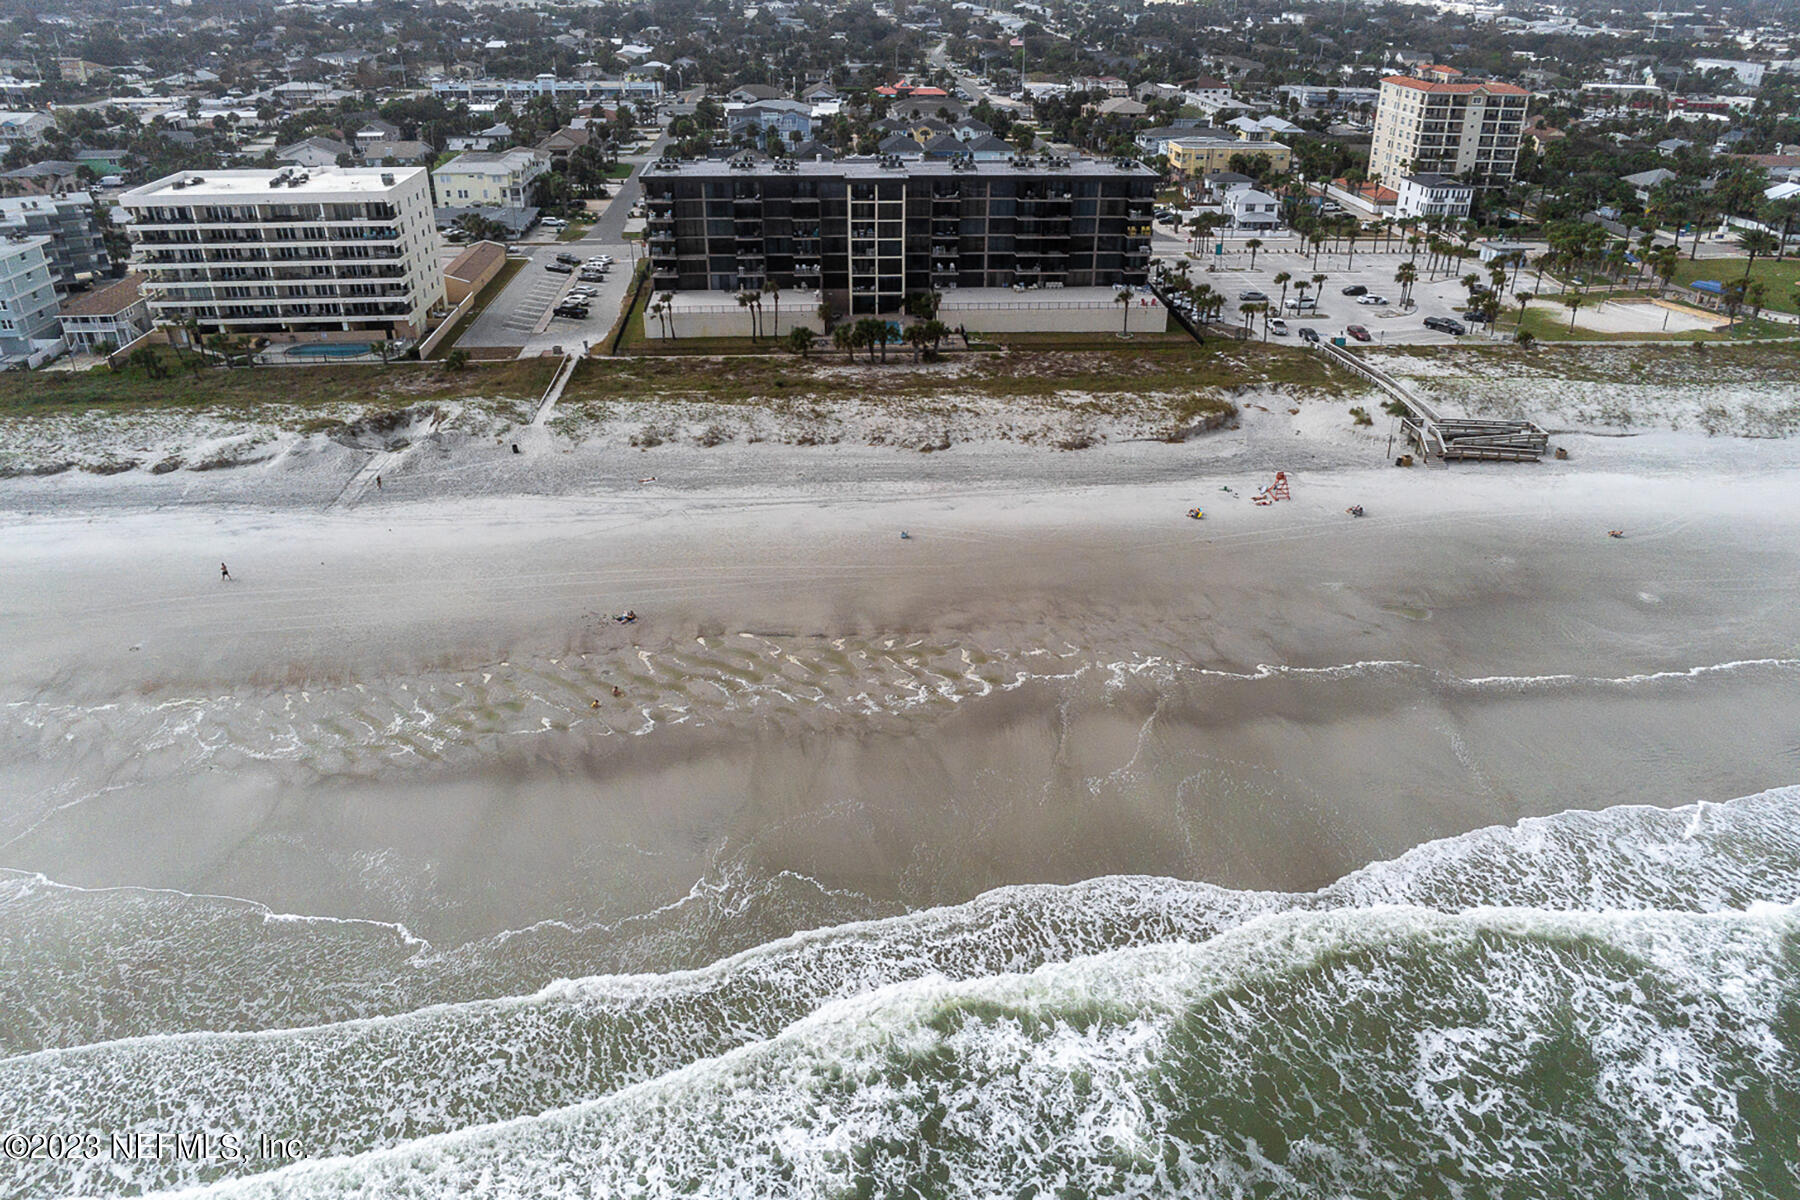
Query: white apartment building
(289,251)
(1435,123)
(29,331)
(1432,196)
(496,177)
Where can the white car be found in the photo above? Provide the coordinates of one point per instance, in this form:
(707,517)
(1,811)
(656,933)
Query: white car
(1278,327)
(553,222)
(1371,299)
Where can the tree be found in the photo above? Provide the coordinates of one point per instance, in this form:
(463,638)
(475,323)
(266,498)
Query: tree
(773,291)
(1574,301)
(1283,279)
(1253,245)
(1122,298)
(1757,242)
(800,340)
(1406,274)
(1524,299)
(844,338)
(917,336)
(456,360)
(1351,233)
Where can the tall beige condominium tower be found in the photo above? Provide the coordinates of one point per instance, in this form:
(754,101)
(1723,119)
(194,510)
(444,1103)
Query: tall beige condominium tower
(1436,122)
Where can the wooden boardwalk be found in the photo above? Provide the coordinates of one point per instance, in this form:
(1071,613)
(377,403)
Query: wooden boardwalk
(1448,439)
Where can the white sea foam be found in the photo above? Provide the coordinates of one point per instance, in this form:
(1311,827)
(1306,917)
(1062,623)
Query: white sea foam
(1135,1070)
(358,1085)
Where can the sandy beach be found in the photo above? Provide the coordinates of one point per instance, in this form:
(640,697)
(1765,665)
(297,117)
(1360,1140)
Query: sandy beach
(1049,680)
(371,819)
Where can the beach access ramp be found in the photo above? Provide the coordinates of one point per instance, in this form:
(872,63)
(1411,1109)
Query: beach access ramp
(1446,439)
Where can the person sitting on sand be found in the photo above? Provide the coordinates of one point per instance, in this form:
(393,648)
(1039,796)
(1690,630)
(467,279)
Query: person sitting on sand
(1618,533)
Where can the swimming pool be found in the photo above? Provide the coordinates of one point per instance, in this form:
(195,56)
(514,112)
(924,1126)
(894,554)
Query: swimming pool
(330,350)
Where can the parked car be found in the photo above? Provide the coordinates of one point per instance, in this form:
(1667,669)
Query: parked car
(1304,304)
(1446,325)
(1278,327)
(1308,334)
(553,223)
(1371,299)
(560,268)
(575,312)
(1356,289)
(1252,297)
(1358,332)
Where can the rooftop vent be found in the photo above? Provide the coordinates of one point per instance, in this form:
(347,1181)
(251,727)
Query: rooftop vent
(387,180)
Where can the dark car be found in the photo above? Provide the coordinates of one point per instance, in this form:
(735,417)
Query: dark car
(1446,325)
(568,258)
(1358,332)
(1356,289)
(1252,297)
(561,268)
(1308,333)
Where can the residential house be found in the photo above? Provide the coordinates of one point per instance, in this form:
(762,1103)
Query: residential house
(1195,156)
(376,130)
(1251,208)
(790,119)
(900,146)
(1432,195)
(753,93)
(51,177)
(490,177)
(24,128)
(1368,200)
(564,142)
(314,152)
(1121,109)
(1645,182)
(106,318)
(1670,147)
(404,153)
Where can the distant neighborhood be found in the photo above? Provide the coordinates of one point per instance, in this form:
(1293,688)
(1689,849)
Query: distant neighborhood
(311,169)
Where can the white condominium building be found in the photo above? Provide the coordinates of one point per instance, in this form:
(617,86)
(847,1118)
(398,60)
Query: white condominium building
(289,251)
(1436,123)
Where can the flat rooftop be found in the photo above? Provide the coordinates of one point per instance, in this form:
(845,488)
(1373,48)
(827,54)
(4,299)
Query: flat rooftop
(255,184)
(876,168)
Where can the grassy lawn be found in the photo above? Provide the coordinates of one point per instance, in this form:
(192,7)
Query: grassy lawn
(1591,362)
(1122,374)
(574,231)
(619,170)
(1779,279)
(59,393)
(495,286)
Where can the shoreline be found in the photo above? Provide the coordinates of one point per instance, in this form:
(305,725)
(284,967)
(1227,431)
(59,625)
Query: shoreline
(1043,684)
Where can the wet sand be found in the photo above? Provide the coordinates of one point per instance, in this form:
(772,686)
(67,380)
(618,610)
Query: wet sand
(390,714)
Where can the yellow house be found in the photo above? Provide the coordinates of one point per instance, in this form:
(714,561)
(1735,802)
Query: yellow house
(1207,154)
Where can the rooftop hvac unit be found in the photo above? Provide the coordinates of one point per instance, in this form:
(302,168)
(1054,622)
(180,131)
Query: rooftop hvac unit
(387,180)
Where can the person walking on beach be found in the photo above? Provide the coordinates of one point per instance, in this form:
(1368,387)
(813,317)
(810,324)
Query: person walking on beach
(224,572)
(378,483)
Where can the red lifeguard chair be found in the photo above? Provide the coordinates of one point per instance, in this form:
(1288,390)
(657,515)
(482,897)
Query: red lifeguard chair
(1275,491)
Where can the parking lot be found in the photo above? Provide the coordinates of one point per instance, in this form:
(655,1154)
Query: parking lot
(1370,267)
(522,314)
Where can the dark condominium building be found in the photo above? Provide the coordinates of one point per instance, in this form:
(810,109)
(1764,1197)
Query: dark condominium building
(866,232)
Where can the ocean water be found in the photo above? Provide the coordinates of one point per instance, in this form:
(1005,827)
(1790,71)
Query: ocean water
(772,923)
(1594,1003)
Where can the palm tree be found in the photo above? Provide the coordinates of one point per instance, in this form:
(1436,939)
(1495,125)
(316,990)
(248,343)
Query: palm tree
(800,340)
(917,336)
(773,291)
(1574,302)
(743,302)
(1317,240)
(1282,279)
(1406,274)
(1122,298)
(1524,299)
(1351,233)
(1253,245)
(1756,242)
(844,338)
(1302,287)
